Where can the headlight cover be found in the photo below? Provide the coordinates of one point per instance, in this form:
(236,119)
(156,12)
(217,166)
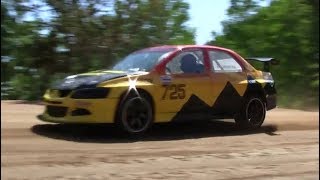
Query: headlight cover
(83,81)
(91,93)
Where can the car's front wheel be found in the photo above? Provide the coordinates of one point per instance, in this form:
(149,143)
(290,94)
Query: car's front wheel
(135,115)
(252,114)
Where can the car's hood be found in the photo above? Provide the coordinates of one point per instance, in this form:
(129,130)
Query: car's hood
(90,79)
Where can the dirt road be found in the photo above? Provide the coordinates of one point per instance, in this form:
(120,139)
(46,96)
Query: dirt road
(286,147)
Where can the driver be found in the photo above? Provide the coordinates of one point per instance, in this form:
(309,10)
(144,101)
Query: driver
(189,64)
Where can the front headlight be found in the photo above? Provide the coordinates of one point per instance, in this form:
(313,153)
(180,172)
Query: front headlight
(91,93)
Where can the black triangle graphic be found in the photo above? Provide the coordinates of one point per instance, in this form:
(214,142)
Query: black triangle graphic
(227,103)
(193,105)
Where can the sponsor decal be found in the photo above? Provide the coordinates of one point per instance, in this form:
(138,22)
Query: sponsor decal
(269,81)
(166,79)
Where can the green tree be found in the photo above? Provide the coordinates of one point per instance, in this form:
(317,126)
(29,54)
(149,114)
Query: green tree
(7,26)
(287,30)
(84,35)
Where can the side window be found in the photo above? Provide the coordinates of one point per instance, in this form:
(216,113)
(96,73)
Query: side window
(186,62)
(223,62)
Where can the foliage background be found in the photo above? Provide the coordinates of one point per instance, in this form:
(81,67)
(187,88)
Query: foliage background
(287,30)
(93,34)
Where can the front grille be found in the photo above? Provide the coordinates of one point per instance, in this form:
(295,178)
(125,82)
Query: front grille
(57,111)
(90,93)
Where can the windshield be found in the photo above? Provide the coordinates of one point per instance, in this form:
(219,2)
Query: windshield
(141,60)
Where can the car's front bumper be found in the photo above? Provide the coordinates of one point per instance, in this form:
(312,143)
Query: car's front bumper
(271,101)
(68,110)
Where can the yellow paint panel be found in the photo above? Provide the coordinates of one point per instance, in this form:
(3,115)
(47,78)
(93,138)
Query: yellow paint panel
(240,87)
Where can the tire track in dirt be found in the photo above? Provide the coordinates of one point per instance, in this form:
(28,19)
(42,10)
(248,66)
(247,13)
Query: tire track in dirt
(286,147)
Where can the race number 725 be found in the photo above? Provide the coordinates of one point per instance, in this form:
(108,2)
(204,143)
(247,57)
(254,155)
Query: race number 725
(174,91)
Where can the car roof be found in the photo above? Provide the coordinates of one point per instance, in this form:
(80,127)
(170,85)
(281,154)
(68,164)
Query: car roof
(168,47)
(243,63)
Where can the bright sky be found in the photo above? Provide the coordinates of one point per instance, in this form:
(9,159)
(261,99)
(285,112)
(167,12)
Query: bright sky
(206,16)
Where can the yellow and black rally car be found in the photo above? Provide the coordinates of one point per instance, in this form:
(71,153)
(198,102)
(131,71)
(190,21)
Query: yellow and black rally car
(165,84)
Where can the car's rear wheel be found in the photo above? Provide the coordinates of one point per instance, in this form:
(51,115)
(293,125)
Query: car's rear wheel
(135,115)
(252,114)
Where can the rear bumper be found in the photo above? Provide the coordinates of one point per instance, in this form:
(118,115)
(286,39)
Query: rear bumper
(271,101)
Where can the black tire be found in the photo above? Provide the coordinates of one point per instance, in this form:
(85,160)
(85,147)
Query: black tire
(135,114)
(252,113)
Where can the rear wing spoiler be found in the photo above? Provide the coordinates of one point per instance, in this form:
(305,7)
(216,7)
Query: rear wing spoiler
(266,62)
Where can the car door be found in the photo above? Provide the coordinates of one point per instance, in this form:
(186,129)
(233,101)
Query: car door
(186,85)
(229,82)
